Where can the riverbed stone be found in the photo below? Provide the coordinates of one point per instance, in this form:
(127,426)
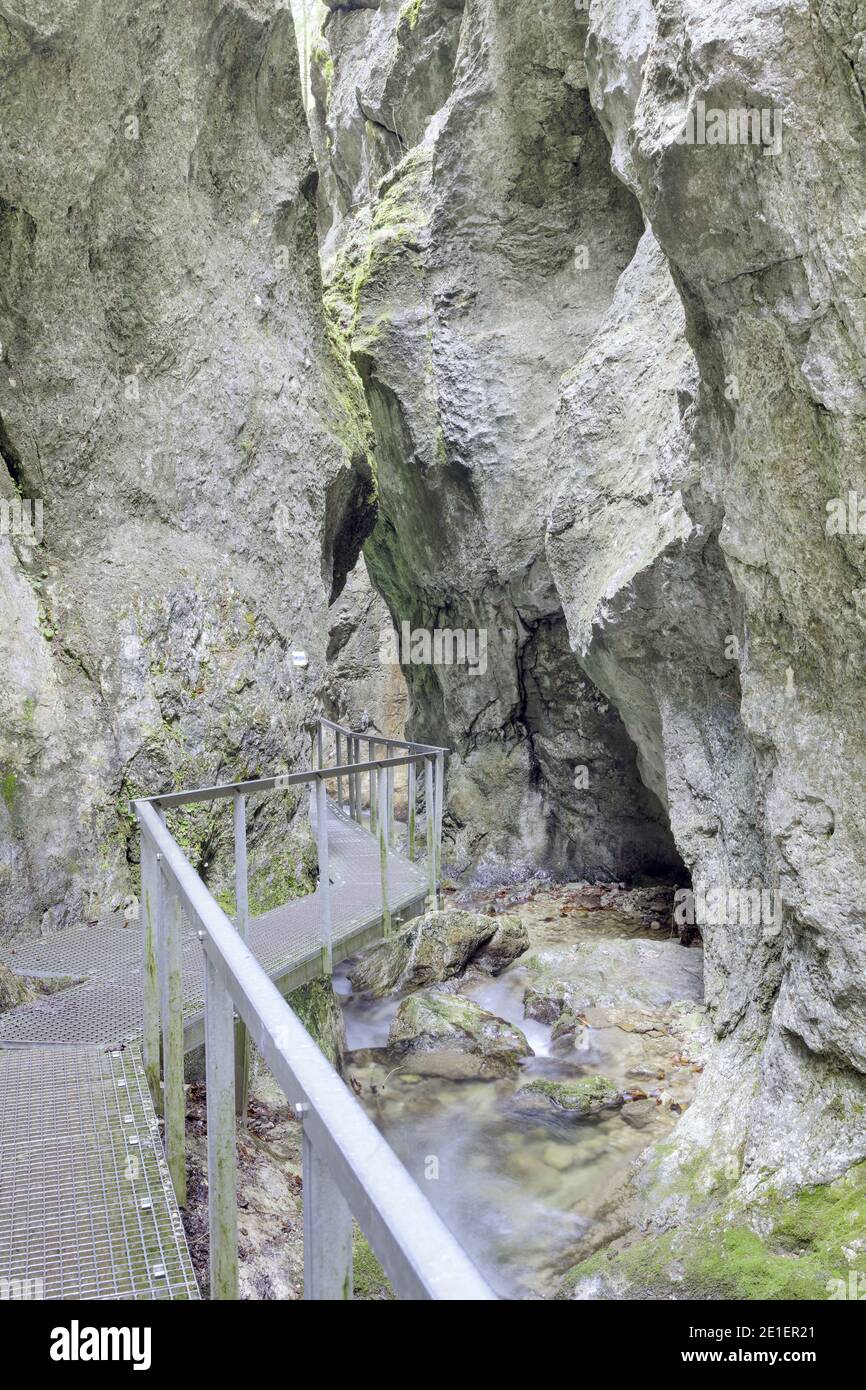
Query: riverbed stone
(437,947)
(628,976)
(575,1097)
(509,941)
(318,1008)
(449,1035)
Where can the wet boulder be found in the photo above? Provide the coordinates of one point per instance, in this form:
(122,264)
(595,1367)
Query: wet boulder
(572,1097)
(436,947)
(508,942)
(451,1036)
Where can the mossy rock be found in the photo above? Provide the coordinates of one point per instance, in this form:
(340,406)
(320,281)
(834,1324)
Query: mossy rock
(369,1280)
(585,1095)
(449,1035)
(318,1008)
(806,1246)
(436,947)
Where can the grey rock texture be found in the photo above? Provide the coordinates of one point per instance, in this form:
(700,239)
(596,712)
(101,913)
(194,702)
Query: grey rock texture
(474,238)
(616,379)
(711,427)
(446,1035)
(361,691)
(438,947)
(170,390)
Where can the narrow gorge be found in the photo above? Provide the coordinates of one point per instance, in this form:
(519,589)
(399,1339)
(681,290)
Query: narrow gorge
(490,376)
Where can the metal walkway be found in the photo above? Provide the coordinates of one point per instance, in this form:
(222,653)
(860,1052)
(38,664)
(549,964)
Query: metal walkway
(88,1201)
(87,1208)
(106,1007)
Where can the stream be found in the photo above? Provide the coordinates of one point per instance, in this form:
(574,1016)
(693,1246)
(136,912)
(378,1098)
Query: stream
(522,1194)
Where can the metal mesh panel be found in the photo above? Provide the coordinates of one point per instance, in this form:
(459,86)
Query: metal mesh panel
(106,1008)
(86,1205)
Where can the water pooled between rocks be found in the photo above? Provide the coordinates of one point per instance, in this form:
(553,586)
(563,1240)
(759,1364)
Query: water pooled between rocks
(526,1186)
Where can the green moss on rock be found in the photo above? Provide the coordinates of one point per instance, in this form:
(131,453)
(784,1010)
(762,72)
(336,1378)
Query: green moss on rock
(802,1247)
(368,1277)
(584,1095)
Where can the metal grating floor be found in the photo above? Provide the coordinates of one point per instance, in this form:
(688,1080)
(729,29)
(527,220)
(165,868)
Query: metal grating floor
(87,1209)
(106,1007)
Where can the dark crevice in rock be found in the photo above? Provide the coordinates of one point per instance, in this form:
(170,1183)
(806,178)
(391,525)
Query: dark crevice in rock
(11,457)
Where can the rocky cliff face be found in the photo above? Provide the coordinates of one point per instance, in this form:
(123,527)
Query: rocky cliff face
(474,238)
(170,393)
(615,367)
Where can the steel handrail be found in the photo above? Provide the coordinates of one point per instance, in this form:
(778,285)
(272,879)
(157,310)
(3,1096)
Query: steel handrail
(349,1169)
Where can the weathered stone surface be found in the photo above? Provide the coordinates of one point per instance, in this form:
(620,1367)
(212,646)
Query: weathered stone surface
(477,236)
(448,1035)
(621,976)
(434,948)
(318,1008)
(361,691)
(169,389)
(697,450)
(575,1097)
(509,941)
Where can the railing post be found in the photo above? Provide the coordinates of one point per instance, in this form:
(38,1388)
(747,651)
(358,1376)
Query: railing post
(383,847)
(221,1138)
(371,757)
(392,830)
(440,798)
(173,1100)
(327,1231)
(339,738)
(356,758)
(410,807)
(242,920)
(430,818)
(350,777)
(150,908)
(320,744)
(324,877)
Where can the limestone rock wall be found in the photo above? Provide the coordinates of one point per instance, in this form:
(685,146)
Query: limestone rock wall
(616,379)
(474,236)
(170,391)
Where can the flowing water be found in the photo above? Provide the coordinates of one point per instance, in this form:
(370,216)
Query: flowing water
(520,1193)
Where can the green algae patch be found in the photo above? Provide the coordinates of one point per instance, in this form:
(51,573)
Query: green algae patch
(368,1277)
(801,1247)
(7,790)
(582,1096)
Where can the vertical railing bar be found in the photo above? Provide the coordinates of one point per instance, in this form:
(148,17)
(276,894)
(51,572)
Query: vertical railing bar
(221,1139)
(371,758)
(320,743)
(174,1100)
(440,799)
(327,1231)
(430,819)
(242,921)
(324,878)
(383,848)
(392,828)
(410,807)
(339,738)
(150,881)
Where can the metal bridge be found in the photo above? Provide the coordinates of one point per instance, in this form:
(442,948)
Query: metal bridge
(89,1189)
